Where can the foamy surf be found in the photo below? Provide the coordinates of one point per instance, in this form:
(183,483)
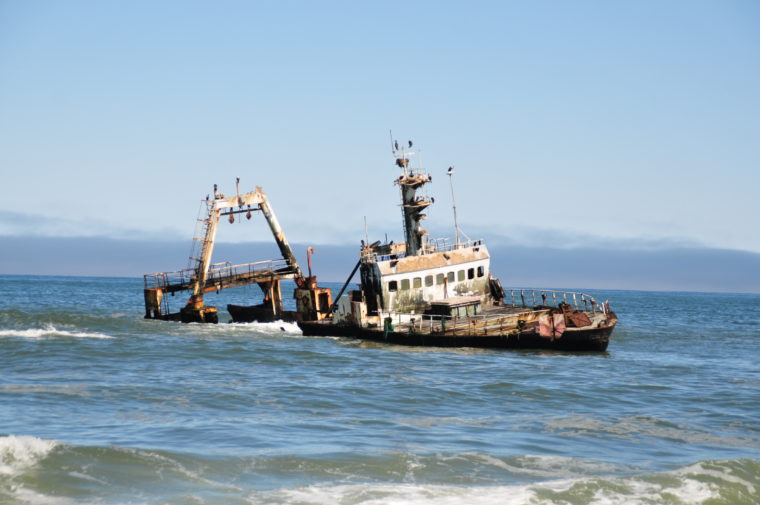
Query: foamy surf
(585,492)
(109,475)
(20,453)
(274,328)
(50,331)
(540,467)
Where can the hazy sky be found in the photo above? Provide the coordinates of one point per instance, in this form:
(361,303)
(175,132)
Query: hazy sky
(570,123)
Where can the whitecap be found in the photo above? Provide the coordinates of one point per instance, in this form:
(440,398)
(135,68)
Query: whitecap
(398,494)
(621,493)
(30,497)
(272,328)
(50,331)
(18,453)
(716,472)
(684,485)
(638,491)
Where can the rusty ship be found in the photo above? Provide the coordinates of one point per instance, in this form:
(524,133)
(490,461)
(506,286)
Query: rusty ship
(420,292)
(438,292)
(203,276)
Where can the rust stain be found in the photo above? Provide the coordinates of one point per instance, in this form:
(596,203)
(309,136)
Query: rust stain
(422,262)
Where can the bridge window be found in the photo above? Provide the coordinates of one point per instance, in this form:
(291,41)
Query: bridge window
(470,273)
(481,271)
(417,282)
(429,280)
(460,275)
(451,277)
(393,286)
(439,278)
(404,284)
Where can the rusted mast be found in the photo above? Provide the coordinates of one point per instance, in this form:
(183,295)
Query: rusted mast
(202,277)
(195,310)
(409,182)
(196,299)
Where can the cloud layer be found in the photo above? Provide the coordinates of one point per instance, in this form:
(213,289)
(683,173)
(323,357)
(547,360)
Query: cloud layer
(663,269)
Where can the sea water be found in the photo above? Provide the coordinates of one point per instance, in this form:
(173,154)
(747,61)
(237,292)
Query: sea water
(100,406)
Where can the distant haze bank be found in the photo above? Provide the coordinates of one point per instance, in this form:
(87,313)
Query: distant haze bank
(673,269)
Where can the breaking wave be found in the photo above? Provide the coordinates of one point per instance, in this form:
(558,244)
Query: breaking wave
(273,328)
(50,331)
(598,492)
(38,471)
(18,454)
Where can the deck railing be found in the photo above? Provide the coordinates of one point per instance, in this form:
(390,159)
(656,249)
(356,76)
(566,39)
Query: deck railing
(218,272)
(530,297)
(437,245)
(435,322)
(431,246)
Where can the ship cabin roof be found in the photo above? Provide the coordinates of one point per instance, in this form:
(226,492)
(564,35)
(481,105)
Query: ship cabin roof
(433,257)
(454,306)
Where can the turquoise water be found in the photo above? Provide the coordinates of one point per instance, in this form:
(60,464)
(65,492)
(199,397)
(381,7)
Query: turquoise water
(100,406)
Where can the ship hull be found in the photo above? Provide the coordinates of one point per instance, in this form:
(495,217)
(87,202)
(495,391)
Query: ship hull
(575,339)
(259,313)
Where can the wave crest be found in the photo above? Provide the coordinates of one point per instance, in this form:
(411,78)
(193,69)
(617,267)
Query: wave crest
(19,453)
(49,331)
(112,474)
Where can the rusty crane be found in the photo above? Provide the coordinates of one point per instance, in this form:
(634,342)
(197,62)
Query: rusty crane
(204,276)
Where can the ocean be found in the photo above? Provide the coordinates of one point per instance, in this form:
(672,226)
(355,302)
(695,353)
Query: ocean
(99,406)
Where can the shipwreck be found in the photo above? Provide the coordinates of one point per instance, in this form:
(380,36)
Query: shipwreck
(439,292)
(203,276)
(421,292)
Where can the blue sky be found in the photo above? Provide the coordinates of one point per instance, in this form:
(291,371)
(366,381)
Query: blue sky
(625,124)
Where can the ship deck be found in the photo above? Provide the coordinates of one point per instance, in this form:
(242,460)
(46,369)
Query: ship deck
(498,327)
(497,319)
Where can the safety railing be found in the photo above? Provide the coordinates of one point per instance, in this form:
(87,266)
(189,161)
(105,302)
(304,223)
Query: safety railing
(533,300)
(218,272)
(529,297)
(436,245)
(247,270)
(429,323)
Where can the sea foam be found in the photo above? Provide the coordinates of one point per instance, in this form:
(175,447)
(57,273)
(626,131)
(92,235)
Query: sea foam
(18,453)
(586,491)
(731,481)
(50,331)
(274,328)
